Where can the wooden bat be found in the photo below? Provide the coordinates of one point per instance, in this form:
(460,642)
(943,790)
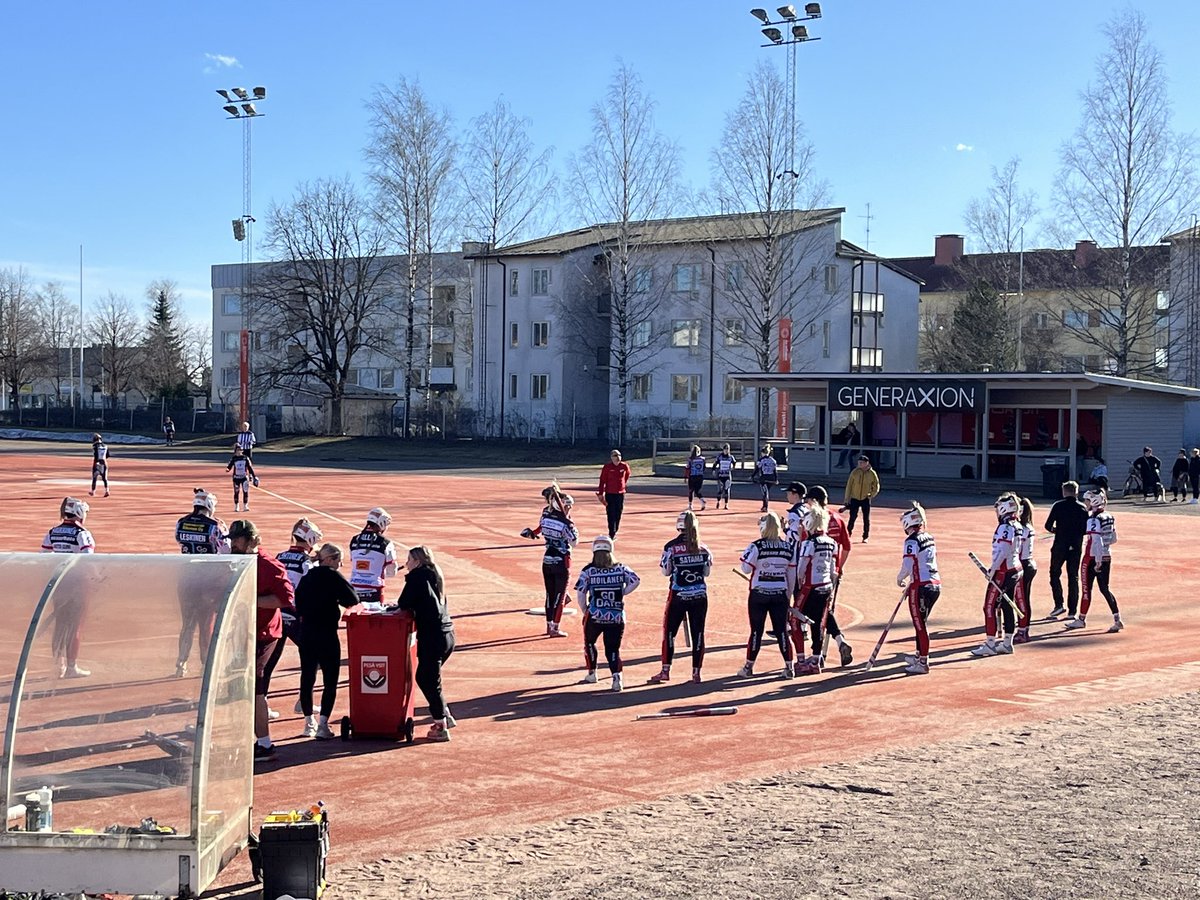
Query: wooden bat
(1003,596)
(691,713)
(886,629)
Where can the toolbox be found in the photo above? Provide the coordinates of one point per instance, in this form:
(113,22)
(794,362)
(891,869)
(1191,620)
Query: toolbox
(292,847)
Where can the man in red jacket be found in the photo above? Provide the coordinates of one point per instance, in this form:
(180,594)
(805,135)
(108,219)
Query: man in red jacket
(275,592)
(613,478)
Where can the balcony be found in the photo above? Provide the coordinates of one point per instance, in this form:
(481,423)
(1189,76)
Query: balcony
(441,378)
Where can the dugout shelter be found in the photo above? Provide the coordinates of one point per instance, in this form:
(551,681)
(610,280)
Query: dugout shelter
(150,774)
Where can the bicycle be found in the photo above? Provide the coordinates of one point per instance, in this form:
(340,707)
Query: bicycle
(1133,483)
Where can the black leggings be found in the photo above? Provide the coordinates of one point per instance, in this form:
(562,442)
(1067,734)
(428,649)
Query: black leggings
(324,652)
(695,487)
(695,610)
(241,489)
(431,654)
(614,505)
(765,487)
(816,607)
(1099,578)
(723,489)
(100,470)
(613,633)
(555,578)
(760,606)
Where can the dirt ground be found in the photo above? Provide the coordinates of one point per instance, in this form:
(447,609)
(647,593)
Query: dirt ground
(1096,805)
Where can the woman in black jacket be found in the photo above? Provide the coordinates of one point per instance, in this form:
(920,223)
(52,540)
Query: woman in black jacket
(1179,478)
(321,595)
(424,595)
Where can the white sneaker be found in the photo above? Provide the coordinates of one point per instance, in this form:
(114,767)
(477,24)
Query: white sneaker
(272,714)
(451,722)
(1004,647)
(558,632)
(246,508)
(985,649)
(1077,622)
(618,683)
(589,678)
(74,671)
(917,667)
(1116,626)
(703,504)
(746,671)
(237,507)
(310,727)
(1056,612)
(323,733)
(789,671)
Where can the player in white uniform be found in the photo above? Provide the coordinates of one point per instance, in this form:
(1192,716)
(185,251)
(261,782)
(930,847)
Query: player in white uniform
(1004,575)
(919,574)
(372,557)
(722,467)
(816,560)
(1097,560)
(297,560)
(602,586)
(200,533)
(243,476)
(771,565)
(766,474)
(1025,538)
(69,536)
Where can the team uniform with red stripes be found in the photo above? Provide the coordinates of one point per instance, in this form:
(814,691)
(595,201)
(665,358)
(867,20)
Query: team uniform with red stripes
(919,569)
(816,561)
(1096,567)
(1025,538)
(372,561)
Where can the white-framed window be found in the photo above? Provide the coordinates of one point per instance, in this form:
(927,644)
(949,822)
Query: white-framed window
(826,331)
(513,385)
(867,357)
(514,283)
(734,390)
(831,278)
(541,282)
(1162,301)
(685,278)
(230,376)
(231,341)
(1076,318)
(643,279)
(514,334)
(869,303)
(734,274)
(685,333)
(685,389)
(735,332)
(387,379)
(231,304)
(541,334)
(539,386)
(640,386)
(1161,358)
(368,378)
(641,334)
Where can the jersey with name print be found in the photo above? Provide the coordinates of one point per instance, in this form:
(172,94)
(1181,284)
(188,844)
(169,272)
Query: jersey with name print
(771,566)
(296,563)
(794,526)
(695,466)
(197,533)
(687,569)
(816,559)
(560,535)
(766,469)
(920,559)
(723,465)
(1004,548)
(69,537)
(372,559)
(1101,535)
(602,592)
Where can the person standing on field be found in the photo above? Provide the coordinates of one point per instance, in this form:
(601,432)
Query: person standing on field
(918,576)
(322,592)
(687,563)
(1097,560)
(1067,521)
(1194,474)
(246,441)
(766,474)
(614,476)
(1179,477)
(722,467)
(861,488)
(1149,469)
(99,464)
(693,471)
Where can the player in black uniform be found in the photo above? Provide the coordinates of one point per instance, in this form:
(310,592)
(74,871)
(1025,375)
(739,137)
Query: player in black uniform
(297,560)
(766,475)
(199,532)
(687,562)
(722,467)
(243,475)
(558,531)
(602,586)
(99,464)
(693,473)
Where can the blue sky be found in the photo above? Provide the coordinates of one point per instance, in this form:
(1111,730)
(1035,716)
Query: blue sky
(115,138)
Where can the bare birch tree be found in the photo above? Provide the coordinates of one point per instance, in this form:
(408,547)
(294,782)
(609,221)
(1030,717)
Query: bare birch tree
(60,326)
(115,327)
(1126,180)
(623,181)
(323,295)
(22,347)
(196,336)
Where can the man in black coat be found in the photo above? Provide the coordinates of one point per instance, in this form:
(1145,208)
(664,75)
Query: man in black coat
(1149,467)
(1194,474)
(1068,523)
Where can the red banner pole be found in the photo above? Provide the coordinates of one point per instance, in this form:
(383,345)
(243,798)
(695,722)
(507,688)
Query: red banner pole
(785,365)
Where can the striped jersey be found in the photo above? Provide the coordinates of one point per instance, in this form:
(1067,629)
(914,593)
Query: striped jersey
(816,560)
(69,537)
(245,440)
(560,535)
(771,566)
(686,569)
(602,592)
(1100,536)
(919,564)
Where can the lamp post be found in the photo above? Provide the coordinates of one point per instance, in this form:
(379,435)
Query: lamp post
(240,104)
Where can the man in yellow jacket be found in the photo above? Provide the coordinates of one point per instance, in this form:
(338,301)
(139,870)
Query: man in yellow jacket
(861,486)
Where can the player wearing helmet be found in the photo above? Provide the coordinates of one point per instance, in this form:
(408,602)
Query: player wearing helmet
(836,529)
(372,557)
(722,467)
(693,474)
(919,575)
(816,561)
(1003,575)
(99,464)
(560,535)
(1097,560)
(1025,537)
(602,586)
(69,536)
(766,474)
(687,563)
(243,474)
(200,532)
(772,569)
(297,560)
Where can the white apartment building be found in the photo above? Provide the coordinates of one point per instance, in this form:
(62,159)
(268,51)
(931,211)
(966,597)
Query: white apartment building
(548,327)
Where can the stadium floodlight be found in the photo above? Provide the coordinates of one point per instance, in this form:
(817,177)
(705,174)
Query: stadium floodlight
(761,15)
(232,110)
(260,93)
(239,230)
(799,32)
(787,12)
(241,93)
(225,95)
(812,10)
(773,34)
(249,109)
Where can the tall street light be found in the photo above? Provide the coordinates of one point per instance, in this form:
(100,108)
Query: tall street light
(240,104)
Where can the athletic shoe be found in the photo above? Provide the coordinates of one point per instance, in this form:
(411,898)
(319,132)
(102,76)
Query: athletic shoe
(917,667)
(1022,636)
(909,657)
(789,671)
(1056,612)
(437,732)
(689,505)
(847,654)
(1077,622)
(664,675)
(617,683)
(74,671)
(696,678)
(246,508)
(558,632)
(451,722)
(1193,500)
(866,540)
(263,753)
(549,629)
(589,678)
(180,669)
(91,493)
(237,507)
(298,708)
(985,649)
(106,493)
(323,733)
(1004,647)
(810,666)
(310,727)
(1116,626)
(703,505)
(746,671)
(272,714)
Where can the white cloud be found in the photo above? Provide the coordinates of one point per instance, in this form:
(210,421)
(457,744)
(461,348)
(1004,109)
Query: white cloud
(218,61)
(967,148)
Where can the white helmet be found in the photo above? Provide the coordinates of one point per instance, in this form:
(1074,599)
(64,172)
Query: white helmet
(1096,500)
(202,499)
(1006,507)
(379,517)
(913,518)
(679,520)
(307,532)
(74,509)
(602,542)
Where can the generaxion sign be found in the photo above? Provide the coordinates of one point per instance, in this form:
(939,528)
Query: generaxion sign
(906,395)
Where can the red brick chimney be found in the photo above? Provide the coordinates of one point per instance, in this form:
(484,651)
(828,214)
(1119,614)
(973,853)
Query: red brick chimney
(947,249)
(1085,252)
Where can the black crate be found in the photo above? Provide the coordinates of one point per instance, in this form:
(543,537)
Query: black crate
(293,858)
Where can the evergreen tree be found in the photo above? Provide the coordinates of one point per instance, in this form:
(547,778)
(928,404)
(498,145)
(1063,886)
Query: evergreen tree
(164,374)
(979,337)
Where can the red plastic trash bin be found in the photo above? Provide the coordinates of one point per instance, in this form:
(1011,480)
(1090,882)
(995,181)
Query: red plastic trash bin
(383,658)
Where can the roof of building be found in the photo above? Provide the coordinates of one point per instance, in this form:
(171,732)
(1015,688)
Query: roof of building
(1083,380)
(1188,234)
(847,250)
(690,230)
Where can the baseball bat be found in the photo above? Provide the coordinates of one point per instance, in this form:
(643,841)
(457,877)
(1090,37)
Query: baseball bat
(1003,596)
(740,573)
(691,713)
(887,628)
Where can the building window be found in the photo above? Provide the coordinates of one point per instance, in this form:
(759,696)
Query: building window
(443,355)
(733,276)
(640,385)
(643,279)
(231,304)
(685,333)
(387,379)
(735,332)
(831,279)
(513,334)
(539,385)
(870,304)
(685,389)
(685,279)
(1075,318)
(514,283)
(230,376)
(368,378)
(866,358)
(512,387)
(826,330)
(231,341)
(541,282)
(1162,301)
(1160,358)
(541,334)
(734,390)
(642,332)
(1039,320)
(352,376)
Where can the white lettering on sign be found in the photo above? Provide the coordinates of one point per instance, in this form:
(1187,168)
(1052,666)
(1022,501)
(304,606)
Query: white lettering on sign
(908,396)
(374,670)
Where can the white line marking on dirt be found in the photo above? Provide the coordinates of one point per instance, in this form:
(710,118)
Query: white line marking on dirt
(1067,692)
